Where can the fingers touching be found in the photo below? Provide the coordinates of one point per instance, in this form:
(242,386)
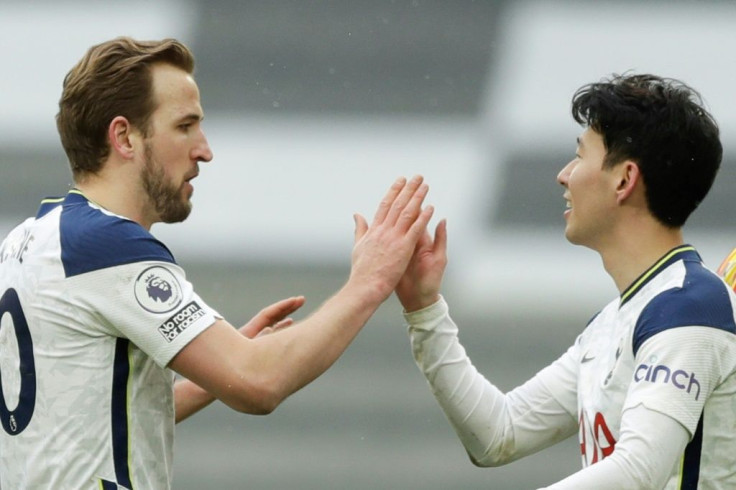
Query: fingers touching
(388,200)
(403,202)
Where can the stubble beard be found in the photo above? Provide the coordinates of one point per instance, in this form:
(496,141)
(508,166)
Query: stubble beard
(169,202)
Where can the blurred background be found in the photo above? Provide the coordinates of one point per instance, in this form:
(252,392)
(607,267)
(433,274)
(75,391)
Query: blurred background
(312,109)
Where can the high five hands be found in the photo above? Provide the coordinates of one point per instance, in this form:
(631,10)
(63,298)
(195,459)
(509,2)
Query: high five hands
(384,249)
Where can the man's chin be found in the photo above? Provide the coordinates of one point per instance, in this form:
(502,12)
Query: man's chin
(571,237)
(177,215)
(577,240)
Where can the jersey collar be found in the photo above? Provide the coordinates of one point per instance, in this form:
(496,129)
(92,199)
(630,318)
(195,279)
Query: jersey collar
(74,196)
(683,252)
(49,203)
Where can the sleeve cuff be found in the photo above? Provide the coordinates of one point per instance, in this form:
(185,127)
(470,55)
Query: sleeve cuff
(427,314)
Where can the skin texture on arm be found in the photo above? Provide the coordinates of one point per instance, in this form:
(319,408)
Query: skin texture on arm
(190,398)
(255,375)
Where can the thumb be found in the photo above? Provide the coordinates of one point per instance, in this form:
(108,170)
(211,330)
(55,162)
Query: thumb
(361,226)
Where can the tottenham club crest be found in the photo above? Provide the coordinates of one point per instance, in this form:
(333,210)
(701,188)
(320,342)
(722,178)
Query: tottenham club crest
(157,290)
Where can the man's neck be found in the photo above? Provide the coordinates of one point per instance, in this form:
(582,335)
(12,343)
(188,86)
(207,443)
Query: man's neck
(637,252)
(116,195)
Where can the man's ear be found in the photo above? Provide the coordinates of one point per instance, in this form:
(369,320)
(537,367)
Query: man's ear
(628,179)
(122,136)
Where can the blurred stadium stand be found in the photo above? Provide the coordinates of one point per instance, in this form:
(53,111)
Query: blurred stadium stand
(312,109)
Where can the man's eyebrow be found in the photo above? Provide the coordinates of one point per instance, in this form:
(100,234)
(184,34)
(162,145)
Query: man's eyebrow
(193,117)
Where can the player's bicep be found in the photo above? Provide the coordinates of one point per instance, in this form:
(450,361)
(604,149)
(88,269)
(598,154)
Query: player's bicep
(675,372)
(150,303)
(651,445)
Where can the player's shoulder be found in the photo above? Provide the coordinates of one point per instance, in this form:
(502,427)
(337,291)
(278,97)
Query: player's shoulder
(702,299)
(92,238)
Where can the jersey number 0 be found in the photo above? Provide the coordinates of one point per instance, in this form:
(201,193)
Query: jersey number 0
(15,421)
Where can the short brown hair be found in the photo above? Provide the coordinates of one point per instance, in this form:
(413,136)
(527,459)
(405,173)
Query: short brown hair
(112,79)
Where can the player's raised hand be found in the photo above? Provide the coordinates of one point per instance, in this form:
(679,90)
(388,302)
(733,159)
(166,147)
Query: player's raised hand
(383,249)
(272,317)
(419,287)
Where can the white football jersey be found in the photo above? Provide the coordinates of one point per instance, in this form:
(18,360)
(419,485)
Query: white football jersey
(668,343)
(92,309)
(667,346)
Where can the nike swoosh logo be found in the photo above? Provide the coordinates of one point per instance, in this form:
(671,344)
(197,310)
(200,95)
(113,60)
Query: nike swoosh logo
(586,358)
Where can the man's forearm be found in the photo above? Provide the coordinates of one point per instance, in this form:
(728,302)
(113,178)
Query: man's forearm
(189,398)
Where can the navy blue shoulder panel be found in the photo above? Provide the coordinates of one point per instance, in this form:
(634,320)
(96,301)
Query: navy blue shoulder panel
(703,300)
(47,205)
(92,240)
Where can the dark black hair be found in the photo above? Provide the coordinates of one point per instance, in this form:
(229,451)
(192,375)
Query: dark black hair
(661,125)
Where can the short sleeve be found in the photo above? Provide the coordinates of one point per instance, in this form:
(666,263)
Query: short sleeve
(150,303)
